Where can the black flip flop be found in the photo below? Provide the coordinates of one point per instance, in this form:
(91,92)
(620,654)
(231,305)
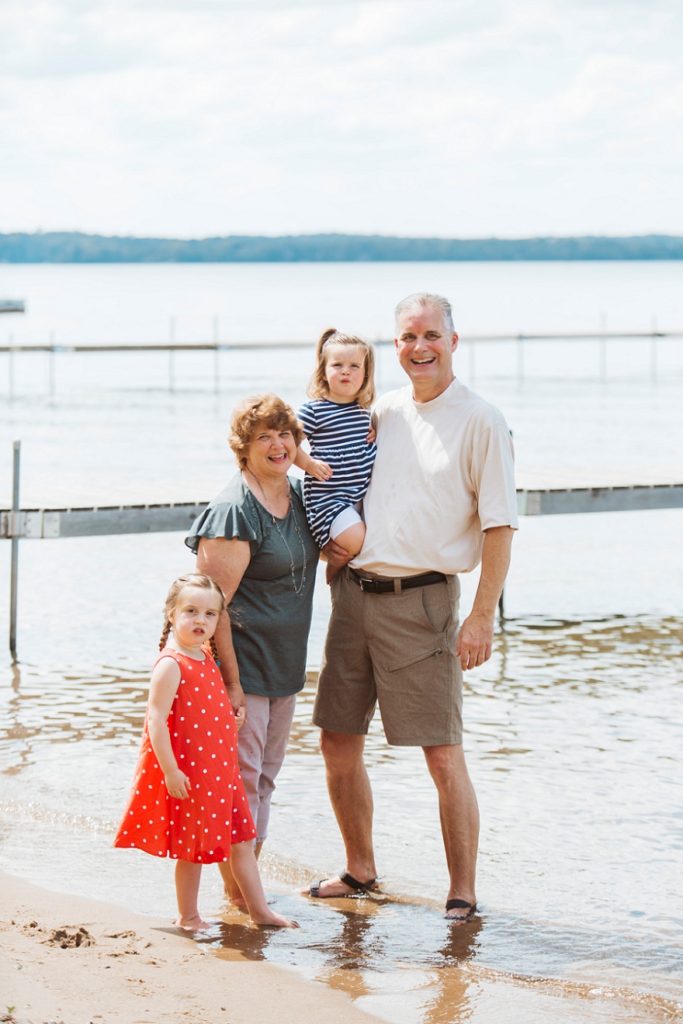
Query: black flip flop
(471,909)
(359,888)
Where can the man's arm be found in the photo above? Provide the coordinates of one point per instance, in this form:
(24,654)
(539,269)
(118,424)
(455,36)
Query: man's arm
(475,638)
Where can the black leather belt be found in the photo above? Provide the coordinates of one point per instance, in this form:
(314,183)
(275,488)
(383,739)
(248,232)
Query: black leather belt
(395,586)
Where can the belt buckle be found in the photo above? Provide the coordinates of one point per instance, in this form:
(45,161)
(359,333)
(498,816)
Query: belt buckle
(362,581)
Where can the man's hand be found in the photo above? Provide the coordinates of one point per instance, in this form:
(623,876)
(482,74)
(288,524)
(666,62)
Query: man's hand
(475,640)
(334,554)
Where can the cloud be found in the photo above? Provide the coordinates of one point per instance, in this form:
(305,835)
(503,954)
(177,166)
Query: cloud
(447,117)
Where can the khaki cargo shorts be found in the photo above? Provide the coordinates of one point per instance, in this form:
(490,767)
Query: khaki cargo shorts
(398,650)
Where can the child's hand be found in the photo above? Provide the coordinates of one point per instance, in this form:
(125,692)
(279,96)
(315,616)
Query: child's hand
(372,436)
(240,716)
(320,470)
(177,784)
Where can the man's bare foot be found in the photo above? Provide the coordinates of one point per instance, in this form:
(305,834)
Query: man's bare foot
(270,919)
(192,924)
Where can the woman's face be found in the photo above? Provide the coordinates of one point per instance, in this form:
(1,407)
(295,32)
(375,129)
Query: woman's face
(271,452)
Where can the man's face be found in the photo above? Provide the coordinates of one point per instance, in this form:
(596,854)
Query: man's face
(425,349)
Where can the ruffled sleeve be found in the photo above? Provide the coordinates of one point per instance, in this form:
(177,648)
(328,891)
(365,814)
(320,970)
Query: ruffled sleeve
(227,516)
(306,415)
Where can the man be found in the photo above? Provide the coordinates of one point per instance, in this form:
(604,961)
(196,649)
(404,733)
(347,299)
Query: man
(442,499)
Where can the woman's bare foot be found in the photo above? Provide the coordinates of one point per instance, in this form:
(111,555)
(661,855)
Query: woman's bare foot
(270,919)
(192,924)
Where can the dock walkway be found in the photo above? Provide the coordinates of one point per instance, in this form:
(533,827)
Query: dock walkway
(97,521)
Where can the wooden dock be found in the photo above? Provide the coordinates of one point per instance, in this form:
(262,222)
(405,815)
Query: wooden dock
(472,342)
(106,520)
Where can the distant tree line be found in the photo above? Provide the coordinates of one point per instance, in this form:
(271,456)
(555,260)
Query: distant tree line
(75,247)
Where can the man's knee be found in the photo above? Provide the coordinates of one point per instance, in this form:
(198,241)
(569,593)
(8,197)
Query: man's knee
(341,750)
(446,764)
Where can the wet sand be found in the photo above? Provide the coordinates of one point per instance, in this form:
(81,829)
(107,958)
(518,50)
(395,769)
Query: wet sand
(67,959)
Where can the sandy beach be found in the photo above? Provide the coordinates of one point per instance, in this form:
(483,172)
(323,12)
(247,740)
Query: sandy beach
(67,960)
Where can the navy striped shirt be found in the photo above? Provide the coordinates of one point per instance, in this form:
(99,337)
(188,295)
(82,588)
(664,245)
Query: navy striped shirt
(338,436)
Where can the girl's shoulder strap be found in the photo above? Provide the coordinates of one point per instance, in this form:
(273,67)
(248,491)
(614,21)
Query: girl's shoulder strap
(170,652)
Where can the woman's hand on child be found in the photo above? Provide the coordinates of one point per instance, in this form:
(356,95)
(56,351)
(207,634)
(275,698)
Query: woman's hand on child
(320,470)
(372,436)
(177,784)
(335,554)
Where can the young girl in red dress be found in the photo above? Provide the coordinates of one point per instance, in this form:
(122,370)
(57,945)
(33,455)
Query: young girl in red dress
(187,800)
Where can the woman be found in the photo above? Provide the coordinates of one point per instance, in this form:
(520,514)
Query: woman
(254,541)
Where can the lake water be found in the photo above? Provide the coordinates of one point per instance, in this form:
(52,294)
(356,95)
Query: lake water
(572,734)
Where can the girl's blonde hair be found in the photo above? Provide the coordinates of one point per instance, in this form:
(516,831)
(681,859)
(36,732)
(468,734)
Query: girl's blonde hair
(191,579)
(255,412)
(318,387)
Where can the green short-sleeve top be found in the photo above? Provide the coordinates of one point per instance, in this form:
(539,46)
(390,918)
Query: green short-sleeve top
(271,609)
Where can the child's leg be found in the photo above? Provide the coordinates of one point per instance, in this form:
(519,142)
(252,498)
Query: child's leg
(187,875)
(230,886)
(246,874)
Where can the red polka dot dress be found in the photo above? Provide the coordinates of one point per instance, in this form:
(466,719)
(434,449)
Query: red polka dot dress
(203,732)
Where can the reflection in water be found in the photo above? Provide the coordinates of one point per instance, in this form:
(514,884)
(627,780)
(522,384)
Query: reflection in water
(404,962)
(576,758)
(365,948)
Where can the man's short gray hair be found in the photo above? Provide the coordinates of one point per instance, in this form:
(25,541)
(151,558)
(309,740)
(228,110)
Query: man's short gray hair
(427,299)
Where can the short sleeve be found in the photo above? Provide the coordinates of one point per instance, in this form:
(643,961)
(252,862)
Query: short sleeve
(227,520)
(494,475)
(308,420)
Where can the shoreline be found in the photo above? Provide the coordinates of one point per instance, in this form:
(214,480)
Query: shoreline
(80,961)
(68,959)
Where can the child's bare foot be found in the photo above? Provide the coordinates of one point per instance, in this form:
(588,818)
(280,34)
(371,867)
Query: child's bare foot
(237,902)
(269,919)
(192,924)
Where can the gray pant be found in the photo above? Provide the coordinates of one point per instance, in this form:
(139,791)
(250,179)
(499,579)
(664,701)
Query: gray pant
(262,745)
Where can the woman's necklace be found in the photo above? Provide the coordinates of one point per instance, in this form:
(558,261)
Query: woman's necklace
(298,590)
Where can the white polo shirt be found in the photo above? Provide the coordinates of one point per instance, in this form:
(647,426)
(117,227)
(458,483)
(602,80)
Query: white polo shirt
(444,473)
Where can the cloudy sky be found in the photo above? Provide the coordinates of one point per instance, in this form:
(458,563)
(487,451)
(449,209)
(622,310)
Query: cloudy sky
(442,117)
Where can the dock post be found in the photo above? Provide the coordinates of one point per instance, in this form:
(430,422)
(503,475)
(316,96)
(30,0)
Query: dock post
(171,354)
(378,362)
(51,365)
(216,355)
(10,366)
(14,563)
(501,605)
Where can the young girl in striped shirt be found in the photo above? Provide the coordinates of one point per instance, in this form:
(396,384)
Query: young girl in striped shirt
(338,427)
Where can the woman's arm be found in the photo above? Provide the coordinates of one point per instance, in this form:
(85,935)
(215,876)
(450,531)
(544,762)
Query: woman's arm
(162,690)
(226,561)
